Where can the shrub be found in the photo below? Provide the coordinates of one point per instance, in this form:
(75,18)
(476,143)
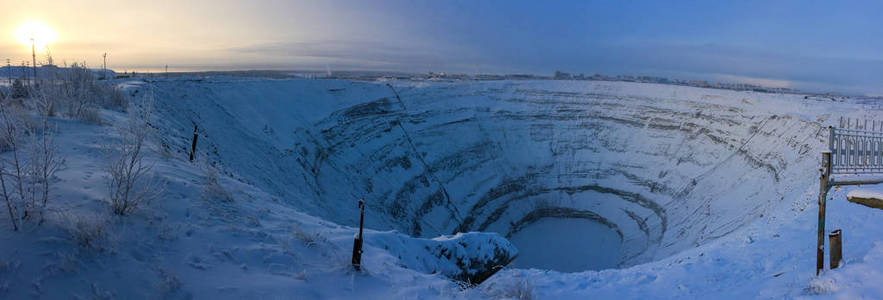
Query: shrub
(25,178)
(18,89)
(11,134)
(90,115)
(212,189)
(130,184)
(76,90)
(88,233)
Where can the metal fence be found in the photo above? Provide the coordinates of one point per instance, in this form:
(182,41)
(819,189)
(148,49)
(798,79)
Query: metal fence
(856,148)
(856,157)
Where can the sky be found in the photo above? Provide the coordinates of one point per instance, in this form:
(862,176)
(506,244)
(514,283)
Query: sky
(808,45)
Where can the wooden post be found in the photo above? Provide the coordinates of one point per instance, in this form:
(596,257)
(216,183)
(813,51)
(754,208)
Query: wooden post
(357,243)
(836,248)
(823,195)
(193,147)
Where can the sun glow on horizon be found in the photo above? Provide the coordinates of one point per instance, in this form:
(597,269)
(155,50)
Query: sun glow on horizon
(42,34)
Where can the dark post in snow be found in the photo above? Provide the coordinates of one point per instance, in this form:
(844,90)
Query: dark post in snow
(836,248)
(357,243)
(8,72)
(34,57)
(823,195)
(193,147)
(104,69)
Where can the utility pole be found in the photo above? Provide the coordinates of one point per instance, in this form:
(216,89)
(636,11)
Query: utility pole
(105,65)
(9,72)
(34,57)
(167,71)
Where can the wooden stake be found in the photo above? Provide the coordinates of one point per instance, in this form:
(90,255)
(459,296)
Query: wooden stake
(357,243)
(823,195)
(193,147)
(836,248)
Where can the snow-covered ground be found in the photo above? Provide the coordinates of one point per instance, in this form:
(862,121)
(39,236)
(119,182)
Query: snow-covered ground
(691,193)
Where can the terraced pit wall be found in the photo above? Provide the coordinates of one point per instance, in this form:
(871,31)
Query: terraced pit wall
(665,167)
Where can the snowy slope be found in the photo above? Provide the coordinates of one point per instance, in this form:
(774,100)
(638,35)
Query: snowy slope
(665,167)
(705,193)
(191,243)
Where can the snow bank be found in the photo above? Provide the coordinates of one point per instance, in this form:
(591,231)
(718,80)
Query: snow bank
(467,257)
(870,191)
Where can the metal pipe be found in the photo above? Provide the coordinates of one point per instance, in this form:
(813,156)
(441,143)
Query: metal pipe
(836,248)
(823,195)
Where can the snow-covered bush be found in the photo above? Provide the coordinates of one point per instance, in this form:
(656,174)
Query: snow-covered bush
(88,232)
(26,175)
(522,290)
(90,115)
(45,160)
(18,89)
(76,91)
(12,136)
(308,239)
(44,101)
(518,288)
(213,190)
(114,97)
(130,183)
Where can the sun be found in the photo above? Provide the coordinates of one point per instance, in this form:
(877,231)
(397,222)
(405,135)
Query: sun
(42,34)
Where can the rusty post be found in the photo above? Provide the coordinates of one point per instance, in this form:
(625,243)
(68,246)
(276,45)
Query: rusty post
(357,243)
(193,146)
(823,195)
(836,248)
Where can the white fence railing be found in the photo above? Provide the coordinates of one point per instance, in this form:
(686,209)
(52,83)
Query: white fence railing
(855,156)
(856,151)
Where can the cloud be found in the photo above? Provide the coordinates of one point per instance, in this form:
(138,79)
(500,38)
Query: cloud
(360,54)
(743,64)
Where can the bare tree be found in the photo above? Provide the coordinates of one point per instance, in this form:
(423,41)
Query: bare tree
(8,132)
(13,136)
(25,177)
(11,133)
(13,211)
(45,160)
(130,184)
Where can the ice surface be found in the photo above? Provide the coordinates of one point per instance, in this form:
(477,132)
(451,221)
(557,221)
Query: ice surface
(567,245)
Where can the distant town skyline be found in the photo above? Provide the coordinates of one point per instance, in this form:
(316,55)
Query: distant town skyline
(806,45)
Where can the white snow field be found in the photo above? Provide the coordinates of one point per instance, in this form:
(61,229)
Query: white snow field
(610,189)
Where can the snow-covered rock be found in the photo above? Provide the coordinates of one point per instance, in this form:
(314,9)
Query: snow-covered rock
(466,257)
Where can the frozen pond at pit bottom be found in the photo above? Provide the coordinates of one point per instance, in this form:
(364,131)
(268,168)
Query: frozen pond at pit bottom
(566,245)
